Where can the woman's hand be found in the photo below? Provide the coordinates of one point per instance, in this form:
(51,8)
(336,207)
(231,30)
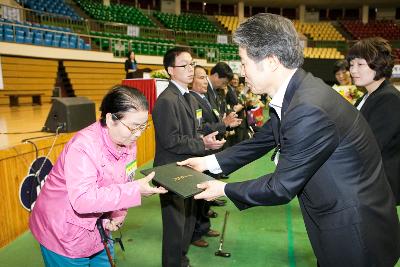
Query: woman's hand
(112,225)
(147,190)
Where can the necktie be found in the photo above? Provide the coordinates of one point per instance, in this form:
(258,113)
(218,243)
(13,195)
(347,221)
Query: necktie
(187,97)
(207,102)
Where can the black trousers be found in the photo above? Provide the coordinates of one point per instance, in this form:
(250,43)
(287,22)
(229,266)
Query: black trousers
(178,217)
(203,223)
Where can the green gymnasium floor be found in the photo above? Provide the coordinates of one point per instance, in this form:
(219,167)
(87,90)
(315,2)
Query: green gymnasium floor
(258,237)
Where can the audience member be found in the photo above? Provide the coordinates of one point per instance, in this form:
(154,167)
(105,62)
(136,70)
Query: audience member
(371,64)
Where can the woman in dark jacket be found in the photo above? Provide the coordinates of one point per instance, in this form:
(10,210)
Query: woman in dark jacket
(130,65)
(371,65)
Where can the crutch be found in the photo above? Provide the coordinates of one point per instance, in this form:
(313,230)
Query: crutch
(104,240)
(220,252)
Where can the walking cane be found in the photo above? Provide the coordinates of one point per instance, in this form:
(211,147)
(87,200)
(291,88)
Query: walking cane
(104,240)
(220,252)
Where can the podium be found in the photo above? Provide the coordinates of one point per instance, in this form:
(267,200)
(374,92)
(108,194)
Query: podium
(150,88)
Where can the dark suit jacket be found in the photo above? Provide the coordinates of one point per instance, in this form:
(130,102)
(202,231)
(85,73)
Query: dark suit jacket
(329,159)
(213,98)
(210,122)
(231,97)
(175,127)
(128,66)
(382,111)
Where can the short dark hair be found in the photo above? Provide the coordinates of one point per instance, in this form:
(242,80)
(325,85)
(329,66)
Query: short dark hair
(121,99)
(340,65)
(265,35)
(171,54)
(378,54)
(223,70)
(199,67)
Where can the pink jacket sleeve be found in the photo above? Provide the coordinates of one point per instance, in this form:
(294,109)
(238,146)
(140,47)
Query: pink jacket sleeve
(84,192)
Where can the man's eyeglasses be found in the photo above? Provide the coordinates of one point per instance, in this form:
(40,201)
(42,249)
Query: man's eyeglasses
(186,67)
(140,127)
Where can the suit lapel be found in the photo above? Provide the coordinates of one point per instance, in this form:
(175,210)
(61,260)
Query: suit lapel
(275,123)
(189,107)
(297,78)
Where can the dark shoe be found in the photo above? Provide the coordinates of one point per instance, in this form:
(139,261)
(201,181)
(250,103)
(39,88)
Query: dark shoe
(218,202)
(223,176)
(212,214)
(200,243)
(212,233)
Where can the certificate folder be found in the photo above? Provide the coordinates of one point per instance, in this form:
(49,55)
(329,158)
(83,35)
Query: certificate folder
(181,180)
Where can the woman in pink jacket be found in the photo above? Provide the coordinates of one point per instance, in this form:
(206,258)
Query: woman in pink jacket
(93,178)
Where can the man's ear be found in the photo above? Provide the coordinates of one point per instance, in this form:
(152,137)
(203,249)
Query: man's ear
(273,62)
(169,71)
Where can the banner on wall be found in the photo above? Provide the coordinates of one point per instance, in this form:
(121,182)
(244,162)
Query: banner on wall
(133,31)
(1,77)
(222,39)
(235,66)
(11,13)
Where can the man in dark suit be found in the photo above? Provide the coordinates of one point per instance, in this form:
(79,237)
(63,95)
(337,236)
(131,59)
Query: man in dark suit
(233,103)
(220,75)
(210,122)
(326,154)
(176,126)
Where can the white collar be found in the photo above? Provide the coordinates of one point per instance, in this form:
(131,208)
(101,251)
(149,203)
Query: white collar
(210,83)
(201,95)
(277,100)
(182,89)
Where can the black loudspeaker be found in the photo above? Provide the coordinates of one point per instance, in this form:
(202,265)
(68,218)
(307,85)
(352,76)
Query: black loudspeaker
(70,114)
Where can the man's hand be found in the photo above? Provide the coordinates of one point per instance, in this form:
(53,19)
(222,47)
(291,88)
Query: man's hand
(198,164)
(213,190)
(211,143)
(231,120)
(147,190)
(238,107)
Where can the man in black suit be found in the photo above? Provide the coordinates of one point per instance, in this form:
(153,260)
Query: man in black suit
(233,103)
(326,154)
(210,122)
(220,75)
(176,126)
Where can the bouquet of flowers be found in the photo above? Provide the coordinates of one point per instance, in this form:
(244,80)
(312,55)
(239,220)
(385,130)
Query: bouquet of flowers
(161,74)
(350,92)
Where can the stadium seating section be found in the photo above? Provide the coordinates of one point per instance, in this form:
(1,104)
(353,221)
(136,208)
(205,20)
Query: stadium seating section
(115,13)
(227,52)
(93,79)
(36,34)
(39,77)
(187,22)
(385,28)
(50,6)
(323,53)
(230,23)
(324,39)
(319,31)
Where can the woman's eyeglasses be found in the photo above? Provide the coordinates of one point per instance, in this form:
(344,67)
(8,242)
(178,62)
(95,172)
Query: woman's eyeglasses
(140,127)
